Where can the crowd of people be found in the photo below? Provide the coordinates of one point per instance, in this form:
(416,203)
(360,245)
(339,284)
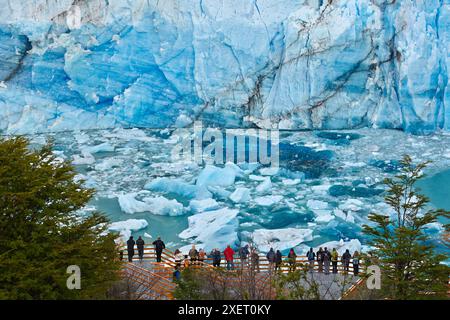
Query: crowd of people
(249,257)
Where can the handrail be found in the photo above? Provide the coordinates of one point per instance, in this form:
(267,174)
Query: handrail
(168,258)
(159,287)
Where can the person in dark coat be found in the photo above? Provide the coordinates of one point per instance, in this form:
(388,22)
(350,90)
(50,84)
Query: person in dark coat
(326,256)
(346,260)
(243,254)
(271,258)
(159,247)
(215,255)
(356,263)
(319,256)
(278,260)
(292,258)
(311,258)
(130,248)
(140,246)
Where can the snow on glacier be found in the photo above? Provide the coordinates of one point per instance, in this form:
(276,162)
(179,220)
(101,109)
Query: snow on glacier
(293,64)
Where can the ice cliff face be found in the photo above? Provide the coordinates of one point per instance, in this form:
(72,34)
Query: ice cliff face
(326,64)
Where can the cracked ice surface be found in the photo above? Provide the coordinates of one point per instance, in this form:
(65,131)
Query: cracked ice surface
(68,65)
(134,175)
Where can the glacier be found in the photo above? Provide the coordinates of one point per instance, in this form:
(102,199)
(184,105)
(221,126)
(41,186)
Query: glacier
(291,64)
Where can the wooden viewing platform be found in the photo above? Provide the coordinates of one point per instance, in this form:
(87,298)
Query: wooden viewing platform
(153,280)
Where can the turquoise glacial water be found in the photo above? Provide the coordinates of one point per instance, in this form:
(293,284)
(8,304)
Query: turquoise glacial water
(437,188)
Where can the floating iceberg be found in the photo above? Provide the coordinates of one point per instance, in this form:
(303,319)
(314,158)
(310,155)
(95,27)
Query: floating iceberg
(126,227)
(280,239)
(213,229)
(197,206)
(240,195)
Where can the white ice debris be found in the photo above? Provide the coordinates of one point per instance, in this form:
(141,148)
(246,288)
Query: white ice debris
(240,195)
(317,204)
(268,200)
(271,171)
(280,239)
(264,186)
(213,229)
(103,147)
(197,206)
(126,227)
(157,205)
(86,158)
(222,177)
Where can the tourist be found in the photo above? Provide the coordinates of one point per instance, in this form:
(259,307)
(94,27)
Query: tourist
(159,247)
(255,260)
(292,259)
(311,258)
(243,254)
(356,263)
(334,260)
(178,258)
(201,255)
(186,261)
(319,257)
(176,274)
(193,254)
(229,253)
(271,258)
(326,260)
(346,260)
(278,260)
(140,246)
(215,255)
(130,248)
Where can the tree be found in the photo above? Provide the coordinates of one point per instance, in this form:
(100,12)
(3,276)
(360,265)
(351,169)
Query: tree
(41,232)
(411,269)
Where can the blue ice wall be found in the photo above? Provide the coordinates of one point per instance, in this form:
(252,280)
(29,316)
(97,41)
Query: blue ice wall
(297,64)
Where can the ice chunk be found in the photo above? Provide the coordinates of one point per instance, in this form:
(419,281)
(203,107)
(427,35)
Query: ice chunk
(271,171)
(213,229)
(103,147)
(203,205)
(87,158)
(351,205)
(240,195)
(108,164)
(317,204)
(129,204)
(268,200)
(256,178)
(126,227)
(323,216)
(290,182)
(222,177)
(264,186)
(164,207)
(179,187)
(280,239)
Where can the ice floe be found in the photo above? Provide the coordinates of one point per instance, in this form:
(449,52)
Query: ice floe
(280,239)
(213,229)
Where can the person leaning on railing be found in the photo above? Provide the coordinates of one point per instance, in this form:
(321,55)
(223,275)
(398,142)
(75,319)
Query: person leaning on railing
(255,260)
(178,258)
(319,257)
(215,255)
(334,260)
(292,259)
(159,247)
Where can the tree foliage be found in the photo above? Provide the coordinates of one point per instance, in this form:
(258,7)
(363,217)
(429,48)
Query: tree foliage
(411,269)
(41,234)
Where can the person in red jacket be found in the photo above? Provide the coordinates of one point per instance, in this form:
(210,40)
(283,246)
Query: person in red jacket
(228,253)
